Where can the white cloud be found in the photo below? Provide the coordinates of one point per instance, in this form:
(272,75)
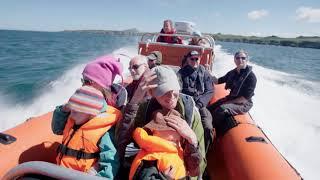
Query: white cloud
(308,14)
(257,14)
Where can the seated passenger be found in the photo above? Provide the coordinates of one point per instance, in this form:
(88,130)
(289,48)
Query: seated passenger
(88,119)
(154,59)
(196,39)
(161,143)
(168,28)
(138,65)
(241,82)
(162,84)
(198,83)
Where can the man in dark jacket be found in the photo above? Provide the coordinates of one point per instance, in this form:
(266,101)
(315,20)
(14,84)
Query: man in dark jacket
(198,83)
(241,82)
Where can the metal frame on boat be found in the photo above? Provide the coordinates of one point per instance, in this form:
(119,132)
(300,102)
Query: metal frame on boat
(172,54)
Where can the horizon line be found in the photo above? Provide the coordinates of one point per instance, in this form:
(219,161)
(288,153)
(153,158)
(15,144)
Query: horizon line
(65,30)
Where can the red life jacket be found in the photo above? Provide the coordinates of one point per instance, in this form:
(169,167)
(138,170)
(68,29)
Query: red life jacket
(169,39)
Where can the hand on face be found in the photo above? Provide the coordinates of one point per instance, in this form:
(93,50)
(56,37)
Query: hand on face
(144,86)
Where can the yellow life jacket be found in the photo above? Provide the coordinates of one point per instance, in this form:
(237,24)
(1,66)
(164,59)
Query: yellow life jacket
(156,148)
(79,149)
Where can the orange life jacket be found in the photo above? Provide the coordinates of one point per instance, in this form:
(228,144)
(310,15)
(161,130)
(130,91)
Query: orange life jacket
(156,148)
(79,149)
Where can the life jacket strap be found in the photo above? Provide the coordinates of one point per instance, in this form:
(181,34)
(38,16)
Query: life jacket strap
(79,154)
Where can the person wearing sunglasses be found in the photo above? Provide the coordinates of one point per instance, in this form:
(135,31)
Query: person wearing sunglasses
(241,81)
(138,65)
(197,82)
(154,59)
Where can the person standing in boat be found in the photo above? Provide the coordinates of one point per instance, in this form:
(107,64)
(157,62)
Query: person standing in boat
(154,59)
(197,82)
(241,82)
(86,122)
(138,66)
(163,85)
(168,28)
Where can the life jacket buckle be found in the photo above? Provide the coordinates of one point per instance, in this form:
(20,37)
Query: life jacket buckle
(62,149)
(80,154)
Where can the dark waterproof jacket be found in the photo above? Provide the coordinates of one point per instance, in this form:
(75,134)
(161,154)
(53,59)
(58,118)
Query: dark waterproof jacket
(138,116)
(240,84)
(197,83)
(122,96)
(169,39)
(131,88)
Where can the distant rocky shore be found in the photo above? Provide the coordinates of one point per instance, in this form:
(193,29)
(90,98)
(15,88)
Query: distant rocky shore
(128,32)
(301,41)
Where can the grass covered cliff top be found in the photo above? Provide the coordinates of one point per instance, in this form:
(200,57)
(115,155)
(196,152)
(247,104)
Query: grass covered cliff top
(301,41)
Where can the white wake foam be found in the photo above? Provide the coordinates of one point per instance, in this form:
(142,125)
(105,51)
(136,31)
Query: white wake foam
(55,93)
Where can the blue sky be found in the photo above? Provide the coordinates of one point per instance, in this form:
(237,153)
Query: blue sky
(286,18)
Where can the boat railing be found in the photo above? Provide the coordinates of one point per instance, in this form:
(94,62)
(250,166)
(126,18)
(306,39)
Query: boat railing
(152,37)
(46,171)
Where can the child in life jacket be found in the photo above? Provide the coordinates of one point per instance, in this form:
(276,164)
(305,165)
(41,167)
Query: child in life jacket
(87,144)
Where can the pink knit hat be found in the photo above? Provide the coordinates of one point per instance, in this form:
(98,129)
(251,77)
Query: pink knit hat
(103,70)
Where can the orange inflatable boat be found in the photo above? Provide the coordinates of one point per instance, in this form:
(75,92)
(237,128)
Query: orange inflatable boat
(243,152)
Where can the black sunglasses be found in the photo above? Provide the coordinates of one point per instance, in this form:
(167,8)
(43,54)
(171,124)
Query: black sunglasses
(194,59)
(243,58)
(135,66)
